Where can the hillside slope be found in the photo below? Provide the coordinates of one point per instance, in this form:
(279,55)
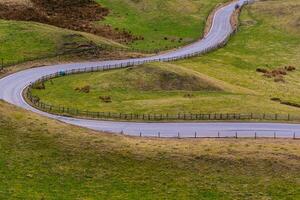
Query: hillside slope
(21,41)
(145,25)
(45,159)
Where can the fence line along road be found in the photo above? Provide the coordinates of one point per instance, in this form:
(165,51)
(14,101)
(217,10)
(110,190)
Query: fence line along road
(73,112)
(223,134)
(15,84)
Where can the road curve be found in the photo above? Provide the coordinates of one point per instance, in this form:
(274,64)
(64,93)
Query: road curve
(13,86)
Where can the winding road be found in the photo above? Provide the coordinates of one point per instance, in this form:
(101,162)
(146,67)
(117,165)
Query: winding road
(13,85)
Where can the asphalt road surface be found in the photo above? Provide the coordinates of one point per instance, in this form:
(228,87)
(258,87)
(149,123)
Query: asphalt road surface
(12,87)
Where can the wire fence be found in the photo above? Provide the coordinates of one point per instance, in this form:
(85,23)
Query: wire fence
(254,134)
(7,63)
(67,111)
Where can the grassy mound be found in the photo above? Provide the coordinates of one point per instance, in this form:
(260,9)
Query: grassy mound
(27,40)
(129,87)
(45,159)
(154,77)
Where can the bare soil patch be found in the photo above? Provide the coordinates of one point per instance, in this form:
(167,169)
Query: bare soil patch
(78,15)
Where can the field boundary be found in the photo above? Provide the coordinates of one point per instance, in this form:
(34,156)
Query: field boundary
(149,117)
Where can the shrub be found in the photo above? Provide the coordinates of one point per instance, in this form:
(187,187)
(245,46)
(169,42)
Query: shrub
(105,99)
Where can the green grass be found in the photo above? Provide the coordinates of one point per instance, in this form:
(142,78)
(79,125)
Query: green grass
(27,40)
(155,20)
(266,39)
(45,159)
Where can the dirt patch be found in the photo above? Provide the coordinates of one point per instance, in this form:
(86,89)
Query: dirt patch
(78,15)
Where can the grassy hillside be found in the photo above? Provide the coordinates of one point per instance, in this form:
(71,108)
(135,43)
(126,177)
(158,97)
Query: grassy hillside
(156,23)
(162,24)
(27,40)
(269,39)
(45,159)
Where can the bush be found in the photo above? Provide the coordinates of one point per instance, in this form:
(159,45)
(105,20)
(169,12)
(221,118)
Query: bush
(105,99)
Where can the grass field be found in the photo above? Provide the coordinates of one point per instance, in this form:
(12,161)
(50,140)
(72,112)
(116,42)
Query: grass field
(45,159)
(268,38)
(26,40)
(163,24)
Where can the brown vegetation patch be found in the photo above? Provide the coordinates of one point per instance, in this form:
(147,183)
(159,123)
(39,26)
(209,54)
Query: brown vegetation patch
(77,15)
(278,74)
